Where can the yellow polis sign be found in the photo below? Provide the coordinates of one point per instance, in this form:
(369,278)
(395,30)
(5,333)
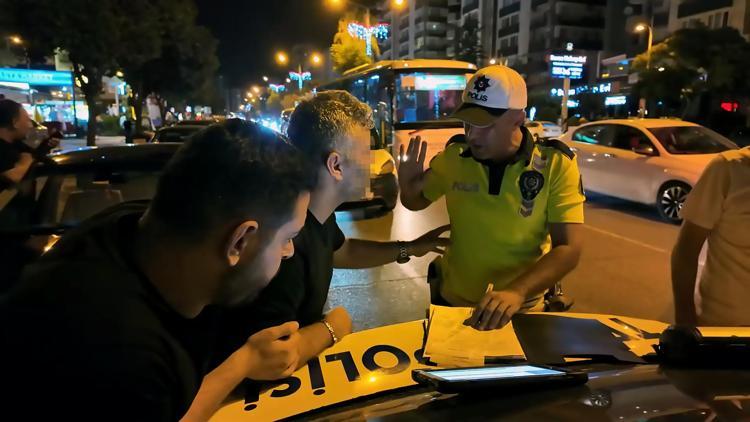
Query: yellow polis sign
(362,364)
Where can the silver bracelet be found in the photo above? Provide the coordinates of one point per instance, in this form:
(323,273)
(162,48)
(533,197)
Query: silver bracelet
(330,330)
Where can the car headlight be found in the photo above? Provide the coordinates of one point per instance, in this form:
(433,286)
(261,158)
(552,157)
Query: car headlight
(387,168)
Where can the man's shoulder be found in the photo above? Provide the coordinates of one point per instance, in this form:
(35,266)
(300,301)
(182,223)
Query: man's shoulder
(556,147)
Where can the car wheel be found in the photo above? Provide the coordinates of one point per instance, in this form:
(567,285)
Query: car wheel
(670,199)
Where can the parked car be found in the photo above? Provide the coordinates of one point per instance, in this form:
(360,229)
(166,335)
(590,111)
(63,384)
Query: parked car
(651,161)
(178,133)
(542,129)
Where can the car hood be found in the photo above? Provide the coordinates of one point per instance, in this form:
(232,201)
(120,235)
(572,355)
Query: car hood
(613,393)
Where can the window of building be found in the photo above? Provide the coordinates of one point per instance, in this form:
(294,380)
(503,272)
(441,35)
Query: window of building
(711,21)
(726,19)
(514,19)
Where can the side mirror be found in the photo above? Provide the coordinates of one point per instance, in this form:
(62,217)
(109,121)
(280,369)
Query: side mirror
(644,150)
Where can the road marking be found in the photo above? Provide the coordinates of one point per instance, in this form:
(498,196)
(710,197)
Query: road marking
(627,239)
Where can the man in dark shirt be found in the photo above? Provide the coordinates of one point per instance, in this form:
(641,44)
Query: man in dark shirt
(332,129)
(105,326)
(15,156)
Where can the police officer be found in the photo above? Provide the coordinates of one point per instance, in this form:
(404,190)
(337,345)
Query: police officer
(515,206)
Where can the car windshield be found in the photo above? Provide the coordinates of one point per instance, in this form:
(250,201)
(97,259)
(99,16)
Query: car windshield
(682,140)
(426,96)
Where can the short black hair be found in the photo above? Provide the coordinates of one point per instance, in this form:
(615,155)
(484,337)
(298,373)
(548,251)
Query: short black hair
(9,111)
(229,173)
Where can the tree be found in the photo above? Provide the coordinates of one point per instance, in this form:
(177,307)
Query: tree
(695,63)
(468,43)
(185,64)
(348,52)
(86,30)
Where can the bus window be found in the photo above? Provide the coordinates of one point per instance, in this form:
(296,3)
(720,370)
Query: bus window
(424,96)
(358,89)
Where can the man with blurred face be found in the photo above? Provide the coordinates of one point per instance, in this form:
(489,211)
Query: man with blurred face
(332,129)
(515,207)
(111,313)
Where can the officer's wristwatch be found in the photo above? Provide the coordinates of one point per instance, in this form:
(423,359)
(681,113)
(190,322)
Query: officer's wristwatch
(403,253)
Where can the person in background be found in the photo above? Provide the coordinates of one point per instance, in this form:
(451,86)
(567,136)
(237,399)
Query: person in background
(717,211)
(106,325)
(16,157)
(127,127)
(515,206)
(332,129)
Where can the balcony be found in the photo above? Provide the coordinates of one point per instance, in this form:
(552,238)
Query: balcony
(507,10)
(586,21)
(694,7)
(510,29)
(537,3)
(539,44)
(404,22)
(509,50)
(437,29)
(539,22)
(404,36)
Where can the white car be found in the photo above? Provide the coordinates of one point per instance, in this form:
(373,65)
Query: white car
(651,161)
(543,129)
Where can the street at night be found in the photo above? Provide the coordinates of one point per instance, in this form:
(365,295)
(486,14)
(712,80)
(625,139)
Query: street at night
(375,210)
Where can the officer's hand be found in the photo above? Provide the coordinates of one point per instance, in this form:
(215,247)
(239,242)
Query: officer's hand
(273,353)
(495,309)
(411,161)
(430,242)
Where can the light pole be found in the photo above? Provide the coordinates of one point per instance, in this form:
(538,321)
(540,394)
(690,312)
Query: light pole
(18,41)
(640,28)
(300,75)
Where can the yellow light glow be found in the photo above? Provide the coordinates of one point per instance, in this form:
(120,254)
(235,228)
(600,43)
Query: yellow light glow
(51,242)
(265,79)
(281,58)
(15,39)
(372,379)
(640,27)
(256,89)
(493,61)
(316,59)
(119,74)
(399,3)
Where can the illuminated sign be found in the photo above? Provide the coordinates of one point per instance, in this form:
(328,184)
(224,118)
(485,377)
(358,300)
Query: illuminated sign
(35,77)
(730,106)
(595,89)
(440,82)
(615,100)
(567,66)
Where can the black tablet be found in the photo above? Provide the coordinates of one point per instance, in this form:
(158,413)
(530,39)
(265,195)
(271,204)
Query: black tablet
(501,377)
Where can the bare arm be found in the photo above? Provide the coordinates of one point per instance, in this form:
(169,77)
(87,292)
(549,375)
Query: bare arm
(684,270)
(411,175)
(497,308)
(358,253)
(268,355)
(315,338)
(17,173)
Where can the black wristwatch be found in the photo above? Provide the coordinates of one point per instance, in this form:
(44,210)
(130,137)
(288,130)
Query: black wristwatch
(403,253)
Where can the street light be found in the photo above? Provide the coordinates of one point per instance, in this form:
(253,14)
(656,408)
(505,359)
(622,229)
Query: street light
(256,90)
(282,58)
(493,61)
(15,39)
(265,79)
(316,59)
(640,28)
(288,80)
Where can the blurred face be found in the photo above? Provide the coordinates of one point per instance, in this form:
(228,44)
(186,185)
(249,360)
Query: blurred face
(356,164)
(500,140)
(260,261)
(22,126)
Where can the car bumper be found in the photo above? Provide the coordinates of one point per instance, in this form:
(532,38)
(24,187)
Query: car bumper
(384,194)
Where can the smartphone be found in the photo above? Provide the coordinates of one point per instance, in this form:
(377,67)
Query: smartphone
(513,378)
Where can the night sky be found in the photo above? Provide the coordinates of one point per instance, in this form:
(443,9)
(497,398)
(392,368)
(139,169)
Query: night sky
(251,31)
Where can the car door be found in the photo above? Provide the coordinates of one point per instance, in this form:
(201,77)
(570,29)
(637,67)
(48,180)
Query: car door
(585,142)
(628,173)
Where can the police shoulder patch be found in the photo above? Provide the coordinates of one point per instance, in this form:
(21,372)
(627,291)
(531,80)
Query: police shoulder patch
(558,145)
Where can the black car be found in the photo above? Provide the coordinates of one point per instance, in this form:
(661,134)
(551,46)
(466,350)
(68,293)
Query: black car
(178,133)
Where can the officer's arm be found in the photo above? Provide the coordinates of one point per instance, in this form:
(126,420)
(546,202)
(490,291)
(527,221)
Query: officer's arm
(567,243)
(685,257)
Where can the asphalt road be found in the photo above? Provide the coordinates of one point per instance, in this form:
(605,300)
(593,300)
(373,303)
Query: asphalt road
(624,269)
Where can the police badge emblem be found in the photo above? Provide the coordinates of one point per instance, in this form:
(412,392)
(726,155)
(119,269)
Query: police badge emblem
(531,183)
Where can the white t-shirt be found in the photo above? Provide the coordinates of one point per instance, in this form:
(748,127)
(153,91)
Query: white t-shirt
(720,202)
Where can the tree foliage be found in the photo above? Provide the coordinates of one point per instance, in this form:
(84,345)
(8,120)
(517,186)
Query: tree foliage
(694,62)
(348,52)
(157,44)
(469,49)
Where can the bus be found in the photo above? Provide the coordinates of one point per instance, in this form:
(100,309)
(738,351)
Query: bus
(409,98)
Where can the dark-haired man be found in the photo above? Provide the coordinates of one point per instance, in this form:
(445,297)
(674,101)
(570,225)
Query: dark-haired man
(15,156)
(105,326)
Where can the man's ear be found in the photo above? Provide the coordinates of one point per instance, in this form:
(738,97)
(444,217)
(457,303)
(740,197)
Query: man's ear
(333,165)
(238,241)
